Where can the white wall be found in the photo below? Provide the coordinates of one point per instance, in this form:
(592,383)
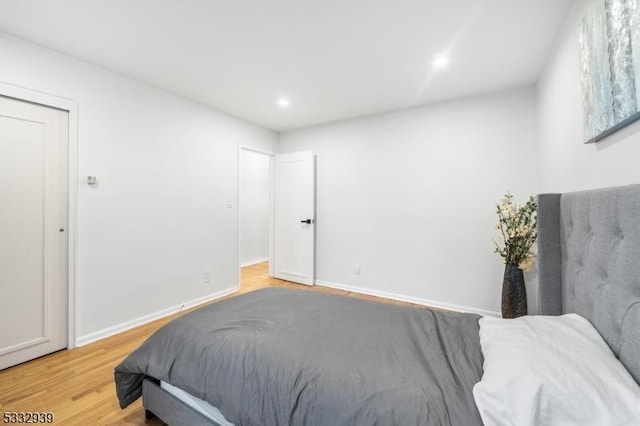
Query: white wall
(567,163)
(409,196)
(254,207)
(166,167)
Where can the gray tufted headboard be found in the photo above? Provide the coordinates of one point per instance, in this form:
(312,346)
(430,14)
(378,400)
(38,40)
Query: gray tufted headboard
(589,263)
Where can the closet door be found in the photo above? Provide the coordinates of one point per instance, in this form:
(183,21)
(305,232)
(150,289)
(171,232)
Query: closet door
(33,230)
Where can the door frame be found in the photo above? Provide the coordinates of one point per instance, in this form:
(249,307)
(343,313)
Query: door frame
(71,106)
(272,157)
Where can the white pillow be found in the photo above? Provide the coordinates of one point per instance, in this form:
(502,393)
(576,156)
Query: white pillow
(542,370)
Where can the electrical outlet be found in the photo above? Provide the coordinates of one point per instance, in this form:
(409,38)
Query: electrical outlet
(356,269)
(206,277)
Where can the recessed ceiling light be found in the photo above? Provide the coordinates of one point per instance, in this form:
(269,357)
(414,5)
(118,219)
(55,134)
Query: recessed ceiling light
(283,102)
(440,62)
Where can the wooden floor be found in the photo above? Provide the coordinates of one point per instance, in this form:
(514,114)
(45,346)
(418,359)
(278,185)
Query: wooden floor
(77,385)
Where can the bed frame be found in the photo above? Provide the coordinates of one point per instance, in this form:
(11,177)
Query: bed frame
(589,263)
(158,402)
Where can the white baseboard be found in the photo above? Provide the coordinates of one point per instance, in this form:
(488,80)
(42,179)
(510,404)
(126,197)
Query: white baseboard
(110,331)
(415,300)
(254,262)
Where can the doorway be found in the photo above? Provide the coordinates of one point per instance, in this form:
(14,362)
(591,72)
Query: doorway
(276,213)
(255,207)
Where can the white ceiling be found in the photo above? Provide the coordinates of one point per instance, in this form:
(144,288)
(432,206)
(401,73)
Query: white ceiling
(333,59)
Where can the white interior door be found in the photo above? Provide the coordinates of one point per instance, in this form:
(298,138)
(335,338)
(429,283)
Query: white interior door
(33,230)
(294,221)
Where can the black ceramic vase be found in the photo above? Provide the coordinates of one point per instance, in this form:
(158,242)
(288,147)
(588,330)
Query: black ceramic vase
(514,294)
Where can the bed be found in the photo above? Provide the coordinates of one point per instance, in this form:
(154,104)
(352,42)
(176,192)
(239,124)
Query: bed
(282,356)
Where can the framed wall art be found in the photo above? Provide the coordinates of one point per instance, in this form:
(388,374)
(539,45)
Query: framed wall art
(610,66)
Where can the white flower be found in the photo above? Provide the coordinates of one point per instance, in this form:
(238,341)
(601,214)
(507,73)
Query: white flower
(518,227)
(527,264)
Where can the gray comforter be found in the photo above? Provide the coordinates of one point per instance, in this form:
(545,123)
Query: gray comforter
(297,357)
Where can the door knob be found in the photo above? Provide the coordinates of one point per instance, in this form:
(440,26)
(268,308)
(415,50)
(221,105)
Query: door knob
(307,221)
